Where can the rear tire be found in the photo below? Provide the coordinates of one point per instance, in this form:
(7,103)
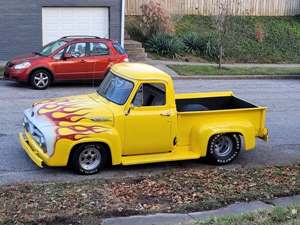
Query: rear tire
(89,159)
(40,79)
(223,148)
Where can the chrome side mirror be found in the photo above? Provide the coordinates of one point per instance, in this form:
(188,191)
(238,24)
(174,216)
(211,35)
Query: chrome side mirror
(131,107)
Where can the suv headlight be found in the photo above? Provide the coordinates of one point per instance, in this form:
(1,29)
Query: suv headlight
(23,65)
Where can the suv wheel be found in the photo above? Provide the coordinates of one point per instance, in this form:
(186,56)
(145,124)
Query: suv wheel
(40,79)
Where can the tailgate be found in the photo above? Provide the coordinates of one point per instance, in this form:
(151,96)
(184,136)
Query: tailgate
(263,132)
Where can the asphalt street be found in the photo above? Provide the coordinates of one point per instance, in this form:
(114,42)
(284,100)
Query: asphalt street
(282,97)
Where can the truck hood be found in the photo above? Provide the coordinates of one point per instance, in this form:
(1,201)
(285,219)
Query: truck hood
(71,118)
(74,111)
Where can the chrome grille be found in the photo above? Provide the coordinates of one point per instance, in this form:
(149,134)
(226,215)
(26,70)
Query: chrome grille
(33,130)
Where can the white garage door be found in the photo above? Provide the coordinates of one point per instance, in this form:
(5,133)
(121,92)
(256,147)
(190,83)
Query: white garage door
(64,21)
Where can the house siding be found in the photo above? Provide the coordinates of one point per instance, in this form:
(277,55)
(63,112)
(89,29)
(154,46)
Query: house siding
(21,22)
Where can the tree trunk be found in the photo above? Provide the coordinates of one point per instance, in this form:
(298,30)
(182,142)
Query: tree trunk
(220,56)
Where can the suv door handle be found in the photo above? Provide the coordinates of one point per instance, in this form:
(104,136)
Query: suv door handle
(82,61)
(166,114)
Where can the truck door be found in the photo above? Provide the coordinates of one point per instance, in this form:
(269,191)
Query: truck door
(148,124)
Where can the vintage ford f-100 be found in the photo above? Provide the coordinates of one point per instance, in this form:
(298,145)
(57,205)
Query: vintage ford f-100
(135,117)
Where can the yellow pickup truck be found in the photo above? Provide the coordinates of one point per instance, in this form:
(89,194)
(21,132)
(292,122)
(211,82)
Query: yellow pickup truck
(135,117)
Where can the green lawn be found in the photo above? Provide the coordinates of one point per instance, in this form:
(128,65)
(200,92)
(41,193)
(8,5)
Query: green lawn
(280,38)
(277,216)
(188,70)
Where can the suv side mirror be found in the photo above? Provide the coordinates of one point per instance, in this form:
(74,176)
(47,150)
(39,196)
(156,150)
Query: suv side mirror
(68,56)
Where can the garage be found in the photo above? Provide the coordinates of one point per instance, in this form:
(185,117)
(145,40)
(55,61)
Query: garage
(64,21)
(28,25)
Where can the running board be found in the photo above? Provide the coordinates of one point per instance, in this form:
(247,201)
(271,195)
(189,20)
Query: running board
(176,155)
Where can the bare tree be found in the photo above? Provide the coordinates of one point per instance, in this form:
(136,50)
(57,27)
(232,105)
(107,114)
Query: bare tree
(223,24)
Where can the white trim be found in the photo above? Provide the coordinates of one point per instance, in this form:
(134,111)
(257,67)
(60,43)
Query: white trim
(123,23)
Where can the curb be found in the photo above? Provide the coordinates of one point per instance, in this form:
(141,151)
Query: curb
(238,65)
(176,76)
(186,218)
(233,77)
(237,77)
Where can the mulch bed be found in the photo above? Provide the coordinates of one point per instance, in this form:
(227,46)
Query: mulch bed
(178,190)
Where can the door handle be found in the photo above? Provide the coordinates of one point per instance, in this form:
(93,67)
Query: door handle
(166,114)
(82,61)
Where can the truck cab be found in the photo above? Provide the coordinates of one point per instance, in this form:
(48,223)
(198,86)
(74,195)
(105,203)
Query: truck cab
(135,117)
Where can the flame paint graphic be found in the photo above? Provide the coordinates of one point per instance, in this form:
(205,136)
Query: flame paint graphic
(65,114)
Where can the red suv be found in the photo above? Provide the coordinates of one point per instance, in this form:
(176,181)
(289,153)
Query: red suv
(69,58)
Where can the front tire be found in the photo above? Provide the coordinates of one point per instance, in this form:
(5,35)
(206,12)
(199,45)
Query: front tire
(40,79)
(89,159)
(224,148)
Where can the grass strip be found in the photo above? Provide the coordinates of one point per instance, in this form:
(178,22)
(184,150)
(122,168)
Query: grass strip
(191,70)
(277,216)
(178,190)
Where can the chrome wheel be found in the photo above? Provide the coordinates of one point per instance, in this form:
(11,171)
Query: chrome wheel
(41,80)
(223,146)
(90,158)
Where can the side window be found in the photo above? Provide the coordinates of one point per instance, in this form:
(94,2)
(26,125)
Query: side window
(59,55)
(77,50)
(97,49)
(150,94)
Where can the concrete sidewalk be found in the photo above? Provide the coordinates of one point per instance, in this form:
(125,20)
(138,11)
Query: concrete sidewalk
(186,218)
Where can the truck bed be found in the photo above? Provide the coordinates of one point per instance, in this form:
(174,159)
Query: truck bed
(211,103)
(217,109)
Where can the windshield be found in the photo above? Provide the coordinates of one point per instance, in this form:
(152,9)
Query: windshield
(51,48)
(115,89)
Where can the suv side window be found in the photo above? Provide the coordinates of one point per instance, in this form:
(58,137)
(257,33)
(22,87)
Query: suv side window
(77,50)
(150,94)
(59,55)
(97,49)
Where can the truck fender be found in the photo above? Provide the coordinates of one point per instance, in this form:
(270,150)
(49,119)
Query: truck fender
(111,139)
(200,135)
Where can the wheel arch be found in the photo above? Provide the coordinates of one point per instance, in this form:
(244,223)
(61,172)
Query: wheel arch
(201,136)
(41,68)
(76,146)
(112,145)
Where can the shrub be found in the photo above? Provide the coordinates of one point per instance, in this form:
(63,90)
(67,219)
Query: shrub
(259,33)
(194,44)
(135,32)
(155,19)
(211,47)
(165,45)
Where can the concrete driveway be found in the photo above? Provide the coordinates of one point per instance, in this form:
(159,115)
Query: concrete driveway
(281,96)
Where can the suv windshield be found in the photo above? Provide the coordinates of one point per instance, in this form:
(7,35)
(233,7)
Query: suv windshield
(51,48)
(115,89)
(119,48)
